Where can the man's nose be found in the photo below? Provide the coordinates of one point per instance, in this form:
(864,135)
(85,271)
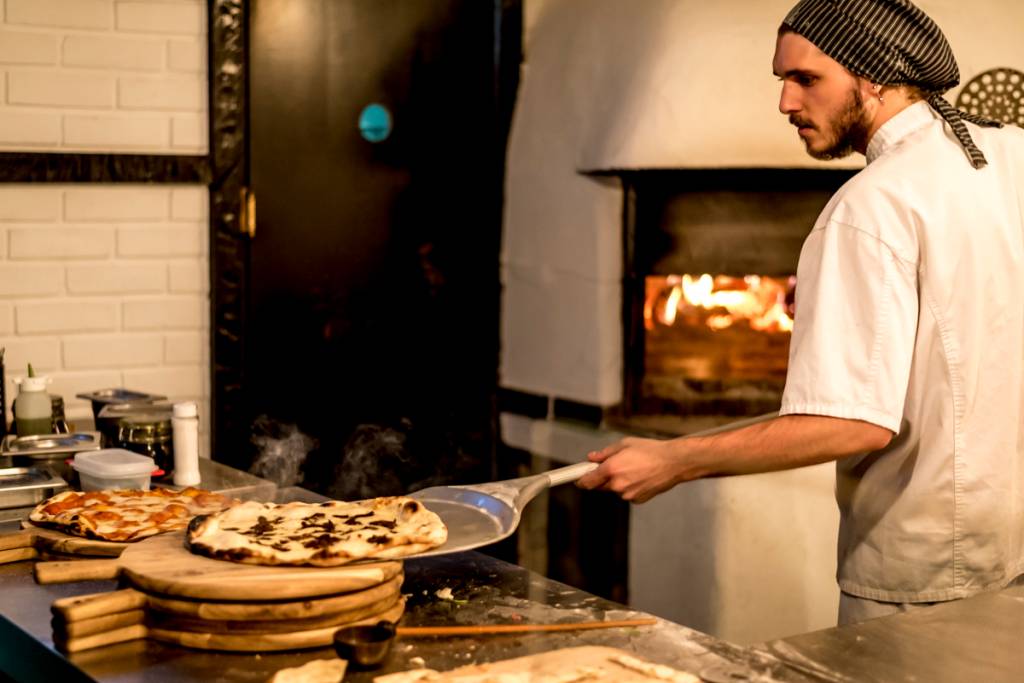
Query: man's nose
(789,99)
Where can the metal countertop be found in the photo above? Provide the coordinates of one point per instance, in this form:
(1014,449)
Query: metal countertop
(976,639)
(487,590)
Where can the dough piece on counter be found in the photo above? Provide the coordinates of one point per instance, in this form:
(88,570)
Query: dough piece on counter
(658,672)
(317,671)
(412,676)
(584,664)
(579,674)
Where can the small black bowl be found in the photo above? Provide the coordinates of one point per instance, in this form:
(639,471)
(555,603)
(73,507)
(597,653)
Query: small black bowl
(365,647)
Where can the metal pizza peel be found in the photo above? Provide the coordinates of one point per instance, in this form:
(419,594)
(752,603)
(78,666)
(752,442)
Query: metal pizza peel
(481,514)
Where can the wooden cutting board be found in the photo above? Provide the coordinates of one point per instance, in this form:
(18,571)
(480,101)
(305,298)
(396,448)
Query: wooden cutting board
(87,607)
(568,665)
(233,642)
(162,564)
(33,540)
(66,629)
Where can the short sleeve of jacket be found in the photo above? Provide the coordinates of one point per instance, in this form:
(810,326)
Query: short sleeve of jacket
(854,332)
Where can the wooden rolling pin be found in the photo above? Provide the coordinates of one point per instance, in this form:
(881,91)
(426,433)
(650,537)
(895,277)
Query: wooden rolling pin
(485,629)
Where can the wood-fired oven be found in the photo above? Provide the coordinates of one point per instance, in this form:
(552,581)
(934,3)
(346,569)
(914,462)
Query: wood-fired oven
(709,279)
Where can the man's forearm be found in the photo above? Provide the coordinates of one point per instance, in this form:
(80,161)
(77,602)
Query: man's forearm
(782,443)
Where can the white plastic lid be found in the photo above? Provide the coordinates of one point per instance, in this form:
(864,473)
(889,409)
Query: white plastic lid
(185,409)
(113,462)
(32,383)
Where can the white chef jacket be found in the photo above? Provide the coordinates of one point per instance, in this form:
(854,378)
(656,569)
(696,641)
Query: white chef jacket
(910,315)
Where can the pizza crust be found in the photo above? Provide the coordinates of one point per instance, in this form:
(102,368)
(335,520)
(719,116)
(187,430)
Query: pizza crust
(317,671)
(317,534)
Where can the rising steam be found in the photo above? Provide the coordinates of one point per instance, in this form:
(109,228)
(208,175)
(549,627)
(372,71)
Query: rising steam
(282,451)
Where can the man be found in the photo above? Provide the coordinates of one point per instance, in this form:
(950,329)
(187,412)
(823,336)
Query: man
(907,357)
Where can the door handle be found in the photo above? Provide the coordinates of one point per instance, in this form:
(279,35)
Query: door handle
(247,212)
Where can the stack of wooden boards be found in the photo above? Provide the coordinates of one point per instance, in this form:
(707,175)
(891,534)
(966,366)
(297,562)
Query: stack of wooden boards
(36,542)
(181,598)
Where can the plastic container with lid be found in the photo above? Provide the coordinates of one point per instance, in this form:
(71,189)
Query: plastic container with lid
(113,468)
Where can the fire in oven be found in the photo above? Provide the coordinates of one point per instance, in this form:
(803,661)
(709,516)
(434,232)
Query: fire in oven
(709,287)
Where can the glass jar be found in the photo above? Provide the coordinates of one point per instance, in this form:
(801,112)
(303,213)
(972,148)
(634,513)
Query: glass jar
(108,422)
(148,434)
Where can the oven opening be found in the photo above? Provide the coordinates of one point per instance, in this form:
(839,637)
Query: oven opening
(710,258)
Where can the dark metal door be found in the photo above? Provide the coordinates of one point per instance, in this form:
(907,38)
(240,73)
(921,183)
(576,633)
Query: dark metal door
(371,319)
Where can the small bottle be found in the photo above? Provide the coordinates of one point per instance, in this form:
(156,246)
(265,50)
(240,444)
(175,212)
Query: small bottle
(185,425)
(33,411)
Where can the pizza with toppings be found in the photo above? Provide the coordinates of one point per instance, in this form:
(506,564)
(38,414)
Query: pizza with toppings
(317,534)
(126,515)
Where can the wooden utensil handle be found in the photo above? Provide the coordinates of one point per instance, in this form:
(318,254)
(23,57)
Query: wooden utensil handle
(69,630)
(17,555)
(76,570)
(120,635)
(18,539)
(98,604)
(480,629)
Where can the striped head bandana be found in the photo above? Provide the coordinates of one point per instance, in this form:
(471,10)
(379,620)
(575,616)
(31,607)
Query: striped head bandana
(889,42)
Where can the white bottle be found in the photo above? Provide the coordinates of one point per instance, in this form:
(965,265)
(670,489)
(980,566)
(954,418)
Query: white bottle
(185,427)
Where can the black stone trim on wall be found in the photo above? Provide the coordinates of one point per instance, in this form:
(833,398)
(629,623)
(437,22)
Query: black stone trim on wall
(229,247)
(575,411)
(540,407)
(67,167)
(522,403)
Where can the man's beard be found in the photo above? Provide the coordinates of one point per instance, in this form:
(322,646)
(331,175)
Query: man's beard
(848,129)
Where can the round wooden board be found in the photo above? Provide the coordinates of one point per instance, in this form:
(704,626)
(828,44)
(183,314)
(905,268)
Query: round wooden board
(262,611)
(60,542)
(270,642)
(162,564)
(272,626)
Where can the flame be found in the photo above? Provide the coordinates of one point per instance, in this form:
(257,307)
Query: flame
(719,301)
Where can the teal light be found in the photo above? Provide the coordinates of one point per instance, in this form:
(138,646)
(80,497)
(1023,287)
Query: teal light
(375,122)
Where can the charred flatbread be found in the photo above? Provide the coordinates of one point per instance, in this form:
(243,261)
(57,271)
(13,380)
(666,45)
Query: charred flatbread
(317,534)
(125,515)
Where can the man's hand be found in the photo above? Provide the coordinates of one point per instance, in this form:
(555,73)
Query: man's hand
(639,469)
(636,469)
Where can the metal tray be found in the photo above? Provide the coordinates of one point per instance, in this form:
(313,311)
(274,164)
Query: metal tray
(25,486)
(50,445)
(102,397)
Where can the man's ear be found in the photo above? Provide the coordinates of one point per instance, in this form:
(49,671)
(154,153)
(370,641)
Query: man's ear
(872,94)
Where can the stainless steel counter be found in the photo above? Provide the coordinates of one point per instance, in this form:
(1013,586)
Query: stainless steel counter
(977,639)
(486,590)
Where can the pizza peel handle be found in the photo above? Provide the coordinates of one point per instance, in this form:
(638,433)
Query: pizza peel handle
(17,547)
(82,607)
(481,514)
(76,570)
(17,539)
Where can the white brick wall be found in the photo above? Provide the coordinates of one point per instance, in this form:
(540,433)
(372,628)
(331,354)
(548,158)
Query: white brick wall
(106,286)
(103,76)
